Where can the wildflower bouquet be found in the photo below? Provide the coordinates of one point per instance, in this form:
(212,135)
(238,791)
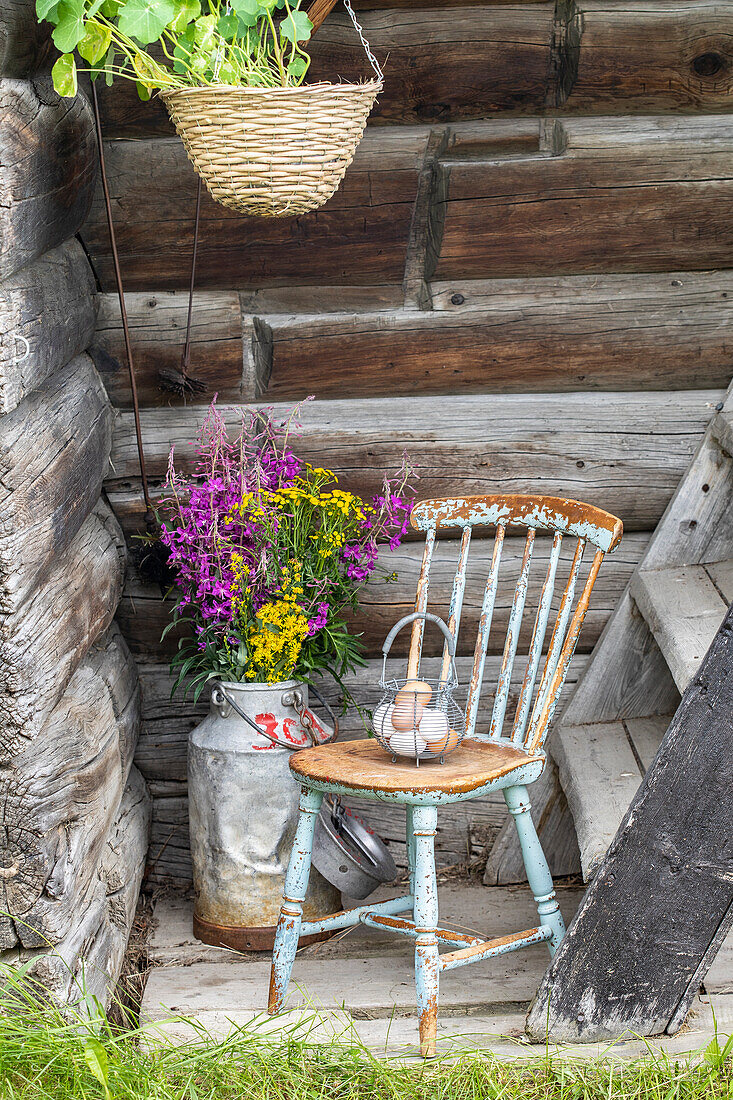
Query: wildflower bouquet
(269,556)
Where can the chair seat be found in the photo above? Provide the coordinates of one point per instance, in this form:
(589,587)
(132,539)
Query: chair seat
(365,767)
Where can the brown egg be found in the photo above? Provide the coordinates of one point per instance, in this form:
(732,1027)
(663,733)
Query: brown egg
(414,689)
(406,714)
(445,744)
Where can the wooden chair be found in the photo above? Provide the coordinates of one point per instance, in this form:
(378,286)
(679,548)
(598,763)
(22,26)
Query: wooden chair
(484,761)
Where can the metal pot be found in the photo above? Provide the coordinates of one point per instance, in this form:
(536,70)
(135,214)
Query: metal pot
(243,810)
(348,853)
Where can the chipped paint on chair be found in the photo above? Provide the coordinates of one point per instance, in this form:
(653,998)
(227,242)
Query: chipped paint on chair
(485,761)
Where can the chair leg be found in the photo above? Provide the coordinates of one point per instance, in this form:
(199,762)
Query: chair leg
(410,846)
(424,823)
(535,862)
(287,932)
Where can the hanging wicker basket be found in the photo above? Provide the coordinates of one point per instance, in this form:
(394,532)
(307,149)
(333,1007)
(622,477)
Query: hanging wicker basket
(272,152)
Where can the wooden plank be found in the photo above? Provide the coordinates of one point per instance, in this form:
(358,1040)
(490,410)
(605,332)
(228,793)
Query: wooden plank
(645,736)
(487,443)
(50,304)
(54,452)
(143,614)
(625,332)
(683,609)
(43,641)
(359,236)
(222,358)
(88,961)
(25,44)
(622,195)
(48,157)
(61,795)
(642,911)
(721,574)
(600,792)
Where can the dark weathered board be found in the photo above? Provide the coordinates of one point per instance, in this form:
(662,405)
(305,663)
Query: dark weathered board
(603,195)
(25,44)
(143,614)
(49,303)
(445,62)
(44,639)
(61,795)
(47,169)
(595,447)
(512,335)
(54,452)
(222,356)
(360,236)
(661,901)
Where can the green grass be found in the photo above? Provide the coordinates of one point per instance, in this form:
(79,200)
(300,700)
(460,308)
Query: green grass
(44,1053)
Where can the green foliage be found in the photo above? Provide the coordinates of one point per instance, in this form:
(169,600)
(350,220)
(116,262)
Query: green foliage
(167,44)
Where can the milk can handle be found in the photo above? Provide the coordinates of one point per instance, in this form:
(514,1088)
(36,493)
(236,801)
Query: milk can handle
(291,699)
(426,616)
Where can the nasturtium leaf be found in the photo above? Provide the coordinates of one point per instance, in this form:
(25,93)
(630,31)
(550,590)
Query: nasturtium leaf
(110,9)
(297,68)
(109,62)
(228,26)
(204,31)
(247,10)
(43,8)
(145,20)
(64,75)
(187,11)
(69,29)
(296,27)
(95,42)
(228,74)
(268,5)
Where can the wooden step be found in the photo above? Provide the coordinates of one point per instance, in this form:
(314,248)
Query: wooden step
(684,606)
(601,766)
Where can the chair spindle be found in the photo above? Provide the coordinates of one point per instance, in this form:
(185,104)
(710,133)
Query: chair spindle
(456,600)
(482,641)
(421,604)
(512,638)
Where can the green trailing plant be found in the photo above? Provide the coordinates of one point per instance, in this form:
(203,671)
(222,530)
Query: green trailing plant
(169,44)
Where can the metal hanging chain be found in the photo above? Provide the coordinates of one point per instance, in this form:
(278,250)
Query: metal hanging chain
(149,515)
(367,48)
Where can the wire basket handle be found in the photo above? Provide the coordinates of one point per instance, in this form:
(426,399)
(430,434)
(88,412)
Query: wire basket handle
(426,616)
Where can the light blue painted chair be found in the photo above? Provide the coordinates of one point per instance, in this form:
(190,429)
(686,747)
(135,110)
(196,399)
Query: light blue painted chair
(495,760)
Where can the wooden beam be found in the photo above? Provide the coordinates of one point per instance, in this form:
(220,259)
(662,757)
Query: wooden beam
(25,44)
(49,304)
(48,156)
(488,443)
(626,332)
(54,453)
(592,200)
(662,899)
(445,62)
(143,614)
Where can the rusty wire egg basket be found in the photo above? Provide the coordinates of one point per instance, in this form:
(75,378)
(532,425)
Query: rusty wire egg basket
(416,717)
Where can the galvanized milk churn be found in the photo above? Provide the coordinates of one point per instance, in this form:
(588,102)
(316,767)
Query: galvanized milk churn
(243,810)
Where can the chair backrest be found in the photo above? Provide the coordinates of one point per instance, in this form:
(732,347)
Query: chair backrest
(566,519)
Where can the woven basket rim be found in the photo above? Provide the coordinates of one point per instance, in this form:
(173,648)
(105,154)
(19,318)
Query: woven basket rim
(240,90)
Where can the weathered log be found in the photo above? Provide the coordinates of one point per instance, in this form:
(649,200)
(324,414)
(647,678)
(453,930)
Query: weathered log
(222,354)
(661,901)
(143,613)
(60,796)
(47,170)
(25,44)
(359,236)
(54,452)
(445,62)
(609,444)
(637,195)
(87,963)
(51,305)
(44,639)
(625,332)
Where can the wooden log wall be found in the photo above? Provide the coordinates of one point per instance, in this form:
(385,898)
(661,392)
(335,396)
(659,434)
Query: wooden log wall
(525,281)
(75,812)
